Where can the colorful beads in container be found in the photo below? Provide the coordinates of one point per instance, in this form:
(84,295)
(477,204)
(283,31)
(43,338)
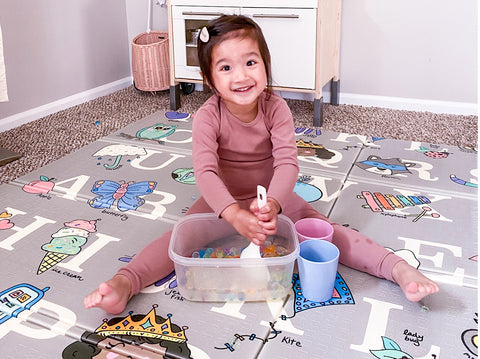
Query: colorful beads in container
(268,250)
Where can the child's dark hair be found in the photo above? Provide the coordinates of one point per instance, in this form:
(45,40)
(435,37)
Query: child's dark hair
(226,27)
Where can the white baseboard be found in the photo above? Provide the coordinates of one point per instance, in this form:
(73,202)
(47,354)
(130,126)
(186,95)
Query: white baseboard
(396,103)
(410,104)
(33,114)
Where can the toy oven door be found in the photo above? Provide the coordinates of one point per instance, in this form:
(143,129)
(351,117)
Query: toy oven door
(187,22)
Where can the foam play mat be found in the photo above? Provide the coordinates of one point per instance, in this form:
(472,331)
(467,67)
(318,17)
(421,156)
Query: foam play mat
(69,225)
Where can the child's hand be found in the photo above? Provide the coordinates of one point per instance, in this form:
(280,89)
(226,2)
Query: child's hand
(267,215)
(246,223)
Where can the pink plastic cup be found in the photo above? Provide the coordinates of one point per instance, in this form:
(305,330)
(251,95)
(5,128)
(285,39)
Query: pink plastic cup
(313,228)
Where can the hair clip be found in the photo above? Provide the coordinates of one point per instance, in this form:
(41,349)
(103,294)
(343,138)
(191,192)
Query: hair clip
(204,35)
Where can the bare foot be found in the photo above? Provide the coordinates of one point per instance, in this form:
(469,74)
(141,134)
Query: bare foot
(111,296)
(414,284)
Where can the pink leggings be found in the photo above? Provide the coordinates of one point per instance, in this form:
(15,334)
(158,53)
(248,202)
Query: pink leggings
(357,251)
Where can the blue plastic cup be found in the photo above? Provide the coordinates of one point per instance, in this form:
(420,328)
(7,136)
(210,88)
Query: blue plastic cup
(317,267)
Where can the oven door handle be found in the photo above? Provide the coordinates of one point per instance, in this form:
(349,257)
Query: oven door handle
(198,13)
(277,16)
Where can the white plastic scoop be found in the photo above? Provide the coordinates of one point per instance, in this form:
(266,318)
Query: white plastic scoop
(252,250)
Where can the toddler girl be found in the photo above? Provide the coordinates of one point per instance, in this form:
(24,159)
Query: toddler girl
(243,136)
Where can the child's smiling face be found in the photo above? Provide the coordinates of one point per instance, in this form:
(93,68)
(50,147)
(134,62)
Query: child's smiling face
(238,73)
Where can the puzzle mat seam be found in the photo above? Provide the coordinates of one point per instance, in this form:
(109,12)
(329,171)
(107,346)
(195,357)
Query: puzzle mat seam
(165,146)
(76,333)
(412,188)
(166,217)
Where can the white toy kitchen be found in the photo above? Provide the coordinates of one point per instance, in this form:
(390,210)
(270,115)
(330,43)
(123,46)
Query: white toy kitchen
(303,37)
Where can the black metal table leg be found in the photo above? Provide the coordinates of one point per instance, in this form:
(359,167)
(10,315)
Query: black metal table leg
(175,97)
(335,92)
(318,112)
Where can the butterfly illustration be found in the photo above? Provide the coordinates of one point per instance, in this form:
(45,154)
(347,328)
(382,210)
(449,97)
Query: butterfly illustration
(127,194)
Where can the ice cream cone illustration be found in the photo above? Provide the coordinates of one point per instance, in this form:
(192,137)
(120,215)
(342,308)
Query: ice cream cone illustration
(67,241)
(50,259)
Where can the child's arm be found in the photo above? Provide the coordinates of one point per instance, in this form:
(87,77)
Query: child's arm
(285,173)
(284,150)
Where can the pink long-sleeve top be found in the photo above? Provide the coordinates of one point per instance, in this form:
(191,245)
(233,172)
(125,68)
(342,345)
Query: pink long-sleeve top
(231,157)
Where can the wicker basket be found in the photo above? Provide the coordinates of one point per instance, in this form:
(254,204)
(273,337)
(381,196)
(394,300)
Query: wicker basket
(150,62)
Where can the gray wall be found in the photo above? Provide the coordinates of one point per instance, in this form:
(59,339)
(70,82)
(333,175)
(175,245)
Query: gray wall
(422,49)
(57,48)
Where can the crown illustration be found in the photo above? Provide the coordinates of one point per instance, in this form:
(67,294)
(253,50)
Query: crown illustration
(302,143)
(143,326)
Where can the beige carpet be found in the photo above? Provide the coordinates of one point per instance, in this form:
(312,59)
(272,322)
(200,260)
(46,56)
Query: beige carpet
(54,136)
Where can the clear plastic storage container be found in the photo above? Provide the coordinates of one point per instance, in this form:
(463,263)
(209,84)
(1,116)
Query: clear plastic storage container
(230,279)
